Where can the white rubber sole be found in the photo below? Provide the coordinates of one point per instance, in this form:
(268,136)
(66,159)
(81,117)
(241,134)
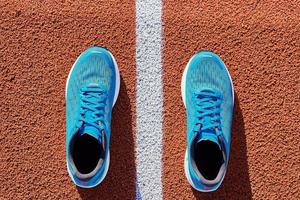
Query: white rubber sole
(183,84)
(117,89)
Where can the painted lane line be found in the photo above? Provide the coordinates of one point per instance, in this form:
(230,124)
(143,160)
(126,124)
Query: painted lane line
(149,99)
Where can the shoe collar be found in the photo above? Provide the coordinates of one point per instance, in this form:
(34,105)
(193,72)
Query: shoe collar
(196,175)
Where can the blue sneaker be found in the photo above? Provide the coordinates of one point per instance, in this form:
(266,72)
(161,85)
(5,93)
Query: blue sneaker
(91,91)
(207,93)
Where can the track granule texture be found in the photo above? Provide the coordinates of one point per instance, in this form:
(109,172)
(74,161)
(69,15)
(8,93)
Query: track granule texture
(40,41)
(259,42)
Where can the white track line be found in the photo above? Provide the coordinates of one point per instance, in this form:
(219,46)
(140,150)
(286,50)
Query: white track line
(149,99)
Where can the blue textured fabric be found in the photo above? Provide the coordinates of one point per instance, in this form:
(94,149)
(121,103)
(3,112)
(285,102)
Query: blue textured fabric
(209,104)
(90,92)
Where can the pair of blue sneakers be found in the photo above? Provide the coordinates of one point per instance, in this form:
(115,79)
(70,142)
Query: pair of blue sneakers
(92,89)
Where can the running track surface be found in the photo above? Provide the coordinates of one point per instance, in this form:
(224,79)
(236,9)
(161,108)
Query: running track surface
(152,41)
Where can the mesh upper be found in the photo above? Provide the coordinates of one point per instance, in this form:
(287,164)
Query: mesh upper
(93,66)
(209,72)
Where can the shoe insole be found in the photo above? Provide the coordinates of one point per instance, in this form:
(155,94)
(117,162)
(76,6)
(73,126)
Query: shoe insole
(86,153)
(208,158)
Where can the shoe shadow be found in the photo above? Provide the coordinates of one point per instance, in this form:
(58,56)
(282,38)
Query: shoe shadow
(236,184)
(120,180)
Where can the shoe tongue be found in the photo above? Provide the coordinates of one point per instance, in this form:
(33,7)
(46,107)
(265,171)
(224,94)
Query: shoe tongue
(208,136)
(92,131)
